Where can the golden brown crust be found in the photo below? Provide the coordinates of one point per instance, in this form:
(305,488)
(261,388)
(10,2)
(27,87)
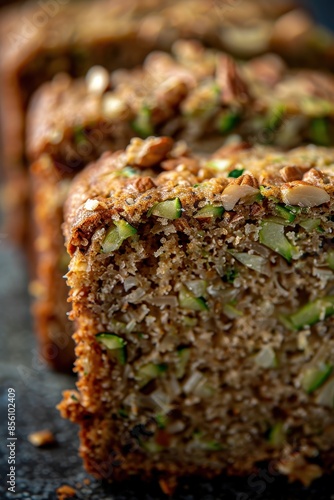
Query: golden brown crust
(49,287)
(264,166)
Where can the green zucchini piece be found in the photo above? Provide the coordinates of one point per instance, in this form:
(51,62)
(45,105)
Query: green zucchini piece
(123,413)
(277,220)
(183,355)
(150,372)
(150,446)
(312,313)
(219,164)
(284,212)
(310,224)
(161,420)
(326,394)
(79,135)
(319,132)
(236,173)
(275,117)
(197,287)
(227,122)
(232,312)
(126,172)
(120,231)
(188,301)
(115,345)
(330,259)
(266,358)
(169,209)
(315,377)
(142,124)
(277,435)
(209,211)
(230,275)
(188,321)
(210,445)
(254,262)
(272,236)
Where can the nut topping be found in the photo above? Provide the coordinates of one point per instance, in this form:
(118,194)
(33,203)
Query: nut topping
(233,88)
(303,194)
(293,173)
(243,186)
(314,176)
(142,184)
(149,152)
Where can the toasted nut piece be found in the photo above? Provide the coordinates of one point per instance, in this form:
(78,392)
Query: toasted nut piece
(233,88)
(302,194)
(245,185)
(297,468)
(314,176)
(230,149)
(143,184)
(97,79)
(114,107)
(172,163)
(41,438)
(148,152)
(246,180)
(293,173)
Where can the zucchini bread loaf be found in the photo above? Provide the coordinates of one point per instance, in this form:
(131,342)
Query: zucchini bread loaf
(195,94)
(41,39)
(203,294)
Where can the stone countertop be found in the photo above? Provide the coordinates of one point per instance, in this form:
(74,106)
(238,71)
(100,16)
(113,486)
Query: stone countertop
(39,472)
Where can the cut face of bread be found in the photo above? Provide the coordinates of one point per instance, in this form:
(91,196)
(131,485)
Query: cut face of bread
(203,293)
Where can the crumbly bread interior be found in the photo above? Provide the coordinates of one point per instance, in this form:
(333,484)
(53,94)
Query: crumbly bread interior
(225,319)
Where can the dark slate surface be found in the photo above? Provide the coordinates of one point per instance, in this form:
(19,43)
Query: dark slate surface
(39,472)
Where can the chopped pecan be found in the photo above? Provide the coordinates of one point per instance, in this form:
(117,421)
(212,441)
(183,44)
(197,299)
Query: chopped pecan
(142,184)
(171,92)
(229,149)
(246,180)
(243,186)
(314,176)
(269,68)
(149,152)
(233,88)
(172,163)
(293,173)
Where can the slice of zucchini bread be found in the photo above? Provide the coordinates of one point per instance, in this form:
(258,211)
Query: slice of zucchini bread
(39,40)
(195,94)
(203,294)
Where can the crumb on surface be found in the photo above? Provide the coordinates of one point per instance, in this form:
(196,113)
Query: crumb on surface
(42,438)
(65,491)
